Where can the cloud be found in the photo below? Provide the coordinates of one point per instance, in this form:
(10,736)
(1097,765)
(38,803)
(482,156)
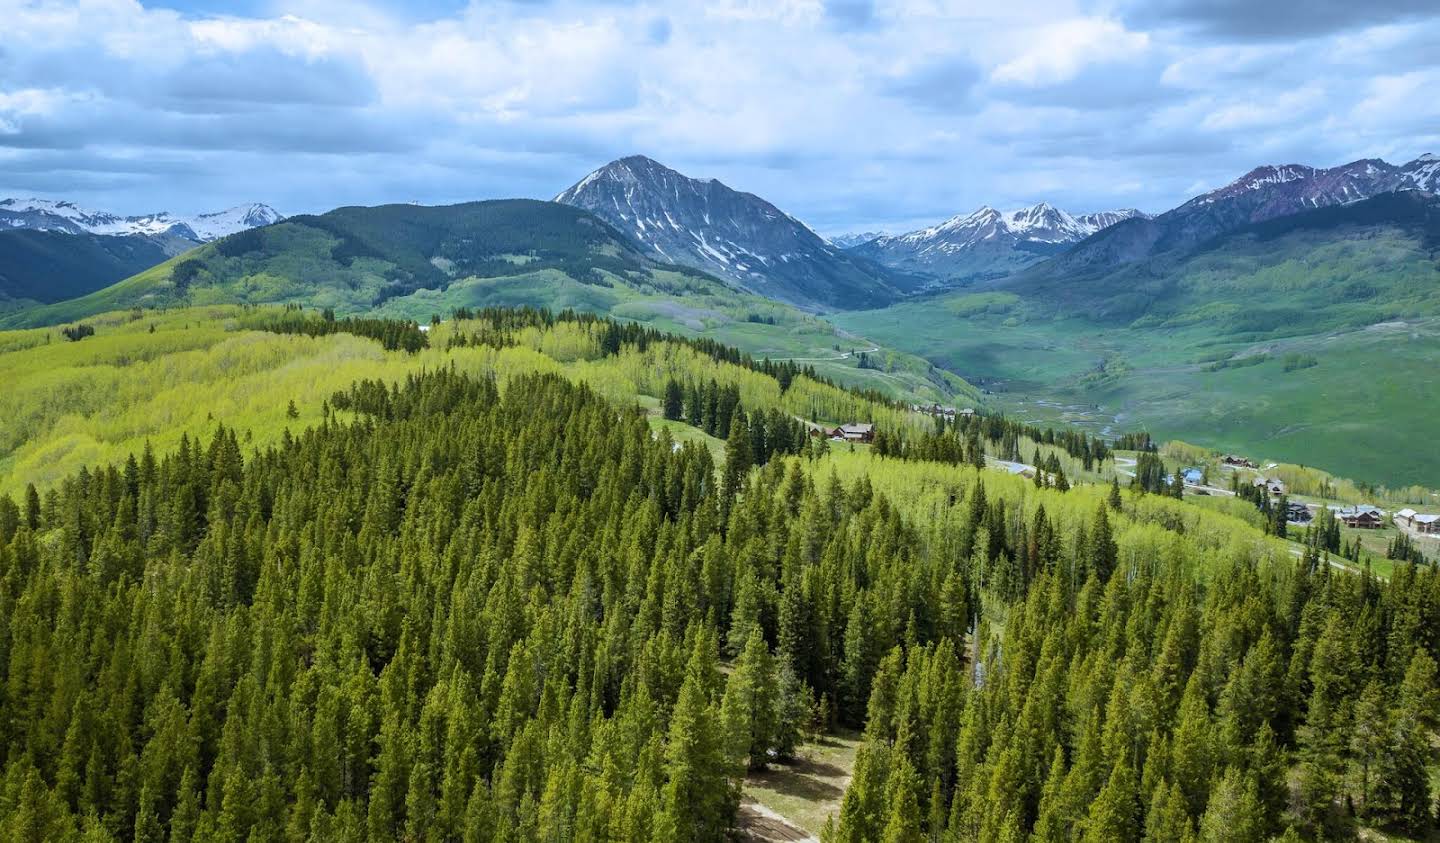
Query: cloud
(659,30)
(1276,19)
(847,113)
(1107,86)
(850,14)
(946,84)
(266,76)
(1061,51)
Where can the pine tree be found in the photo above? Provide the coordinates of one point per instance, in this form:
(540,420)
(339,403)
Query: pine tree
(749,709)
(738,460)
(902,824)
(1168,818)
(1280,517)
(1115,814)
(1234,811)
(1103,552)
(32,507)
(674,401)
(697,789)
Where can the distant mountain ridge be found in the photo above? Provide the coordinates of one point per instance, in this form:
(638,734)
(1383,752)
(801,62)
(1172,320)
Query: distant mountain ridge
(987,243)
(49,266)
(70,218)
(1265,193)
(855,238)
(704,224)
(1333,248)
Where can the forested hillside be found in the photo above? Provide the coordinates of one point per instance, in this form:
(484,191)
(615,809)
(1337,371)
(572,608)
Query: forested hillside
(51,266)
(478,594)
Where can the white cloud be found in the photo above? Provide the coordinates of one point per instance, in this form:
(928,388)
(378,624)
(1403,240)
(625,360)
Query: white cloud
(1059,51)
(1281,108)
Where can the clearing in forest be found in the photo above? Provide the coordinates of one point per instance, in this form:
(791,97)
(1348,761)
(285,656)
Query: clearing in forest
(789,802)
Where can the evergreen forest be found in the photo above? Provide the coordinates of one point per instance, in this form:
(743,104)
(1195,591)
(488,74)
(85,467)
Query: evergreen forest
(554,579)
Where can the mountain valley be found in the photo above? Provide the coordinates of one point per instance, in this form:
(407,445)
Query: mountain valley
(1193,323)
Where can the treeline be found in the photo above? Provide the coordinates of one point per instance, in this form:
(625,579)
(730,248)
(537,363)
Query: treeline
(78,332)
(1324,535)
(459,616)
(392,334)
(1404,549)
(1007,433)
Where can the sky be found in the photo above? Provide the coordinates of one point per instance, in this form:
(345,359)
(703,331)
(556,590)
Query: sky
(849,114)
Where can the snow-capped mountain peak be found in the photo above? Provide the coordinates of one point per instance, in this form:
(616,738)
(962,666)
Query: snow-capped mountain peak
(1276,190)
(217,224)
(987,242)
(738,236)
(854,238)
(1045,223)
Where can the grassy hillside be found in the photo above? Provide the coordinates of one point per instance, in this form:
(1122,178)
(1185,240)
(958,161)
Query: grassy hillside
(49,266)
(1311,340)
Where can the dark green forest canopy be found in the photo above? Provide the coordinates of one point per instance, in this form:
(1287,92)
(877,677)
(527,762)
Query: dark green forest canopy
(484,614)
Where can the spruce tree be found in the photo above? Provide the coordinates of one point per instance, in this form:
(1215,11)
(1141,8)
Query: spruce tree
(674,400)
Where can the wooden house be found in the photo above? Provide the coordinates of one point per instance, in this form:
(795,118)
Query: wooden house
(1361,517)
(854,432)
(1418,521)
(1274,487)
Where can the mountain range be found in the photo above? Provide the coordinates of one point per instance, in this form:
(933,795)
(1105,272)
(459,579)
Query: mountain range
(987,243)
(1265,193)
(742,239)
(69,218)
(704,224)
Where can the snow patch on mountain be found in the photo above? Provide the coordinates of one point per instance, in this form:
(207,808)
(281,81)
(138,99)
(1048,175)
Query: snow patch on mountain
(1424,172)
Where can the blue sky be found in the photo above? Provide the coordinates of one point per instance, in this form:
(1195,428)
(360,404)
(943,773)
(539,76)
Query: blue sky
(849,114)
